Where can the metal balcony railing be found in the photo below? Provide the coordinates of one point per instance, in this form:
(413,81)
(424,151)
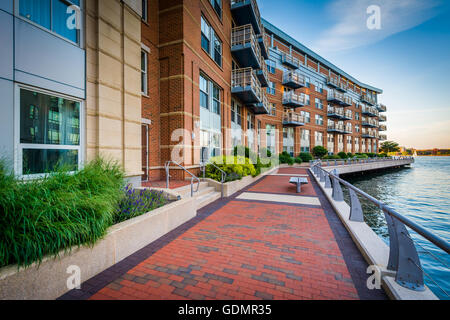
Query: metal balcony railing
(382,127)
(245,79)
(382,108)
(334,126)
(293,79)
(347,101)
(293,117)
(294,100)
(382,118)
(244,37)
(383,137)
(247,10)
(290,60)
(335,112)
(367,99)
(349,115)
(262,40)
(370,111)
(335,96)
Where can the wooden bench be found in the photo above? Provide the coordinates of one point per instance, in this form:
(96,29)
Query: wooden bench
(298,182)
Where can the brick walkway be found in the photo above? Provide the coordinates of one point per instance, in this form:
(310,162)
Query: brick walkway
(244,249)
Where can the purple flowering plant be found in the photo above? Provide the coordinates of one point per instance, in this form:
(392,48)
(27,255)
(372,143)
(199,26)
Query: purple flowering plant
(138,202)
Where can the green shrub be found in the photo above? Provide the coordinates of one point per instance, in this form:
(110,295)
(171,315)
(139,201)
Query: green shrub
(342,155)
(246,152)
(235,167)
(350,155)
(320,152)
(298,160)
(306,156)
(361,156)
(285,158)
(265,153)
(43,217)
(382,155)
(332,157)
(371,155)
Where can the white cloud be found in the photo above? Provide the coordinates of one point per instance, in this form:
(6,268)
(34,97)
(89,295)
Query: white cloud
(350,30)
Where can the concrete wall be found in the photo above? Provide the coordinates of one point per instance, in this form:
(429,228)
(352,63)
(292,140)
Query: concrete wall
(360,167)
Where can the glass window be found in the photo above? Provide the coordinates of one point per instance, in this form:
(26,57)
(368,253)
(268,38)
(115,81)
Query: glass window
(52,15)
(145,10)
(319,87)
(307,116)
(271,66)
(204,93)
(206,35)
(49,132)
(307,99)
(319,104)
(271,88)
(217,5)
(144,72)
(216,99)
(319,120)
(217,50)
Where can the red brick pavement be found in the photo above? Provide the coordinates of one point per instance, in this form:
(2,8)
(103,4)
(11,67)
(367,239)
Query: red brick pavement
(246,250)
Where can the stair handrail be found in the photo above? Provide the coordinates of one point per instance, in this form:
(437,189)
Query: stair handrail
(224,174)
(193,177)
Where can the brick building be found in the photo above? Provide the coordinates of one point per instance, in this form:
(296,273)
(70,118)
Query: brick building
(148,81)
(227,77)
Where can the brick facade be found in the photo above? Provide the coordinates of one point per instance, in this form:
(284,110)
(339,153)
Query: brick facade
(176,59)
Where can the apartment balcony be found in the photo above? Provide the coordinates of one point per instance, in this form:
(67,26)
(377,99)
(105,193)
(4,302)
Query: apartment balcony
(381,107)
(369,134)
(290,99)
(348,130)
(382,127)
(290,61)
(293,119)
(246,86)
(335,97)
(370,101)
(382,118)
(247,12)
(369,111)
(263,45)
(335,128)
(293,80)
(335,112)
(262,107)
(348,115)
(342,86)
(369,123)
(333,82)
(263,74)
(245,48)
(347,102)
(383,137)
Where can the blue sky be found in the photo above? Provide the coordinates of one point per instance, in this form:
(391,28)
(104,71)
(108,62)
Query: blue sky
(409,57)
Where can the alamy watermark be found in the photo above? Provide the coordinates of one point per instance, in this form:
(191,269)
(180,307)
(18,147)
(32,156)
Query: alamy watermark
(374,280)
(74,280)
(374,19)
(74,19)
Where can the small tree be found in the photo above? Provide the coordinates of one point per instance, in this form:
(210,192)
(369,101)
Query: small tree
(320,152)
(389,146)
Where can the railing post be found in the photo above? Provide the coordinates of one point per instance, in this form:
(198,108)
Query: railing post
(327,181)
(335,162)
(356,212)
(192,187)
(167,175)
(322,175)
(409,271)
(337,194)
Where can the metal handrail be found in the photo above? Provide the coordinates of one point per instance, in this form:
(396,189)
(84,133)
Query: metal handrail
(403,256)
(224,174)
(193,177)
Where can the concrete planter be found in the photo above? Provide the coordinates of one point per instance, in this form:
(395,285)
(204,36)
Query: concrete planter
(232,187)
(49,280)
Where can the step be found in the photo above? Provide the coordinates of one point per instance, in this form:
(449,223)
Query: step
(204,200)
(201,192)
(186,190)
